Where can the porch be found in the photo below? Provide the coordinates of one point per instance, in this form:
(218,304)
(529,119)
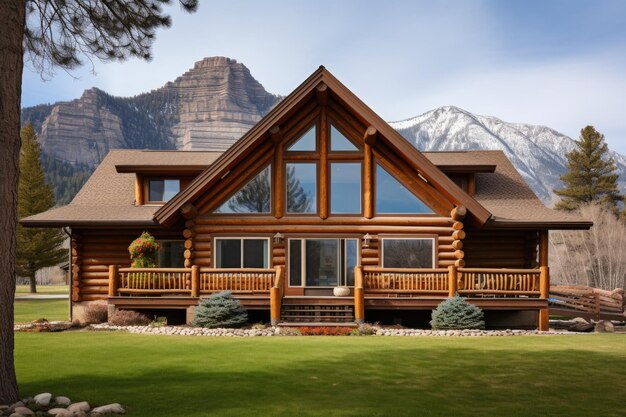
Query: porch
(375,288)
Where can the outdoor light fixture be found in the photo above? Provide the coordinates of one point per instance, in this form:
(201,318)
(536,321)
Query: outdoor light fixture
(367,239)
(279,238)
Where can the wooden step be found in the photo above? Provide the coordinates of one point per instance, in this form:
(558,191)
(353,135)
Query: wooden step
(318,324)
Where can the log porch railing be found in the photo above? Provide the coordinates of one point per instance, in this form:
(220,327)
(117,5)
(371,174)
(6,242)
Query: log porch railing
(194,281)
(473,282)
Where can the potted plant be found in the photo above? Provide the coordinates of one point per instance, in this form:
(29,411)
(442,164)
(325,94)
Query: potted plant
(341,291)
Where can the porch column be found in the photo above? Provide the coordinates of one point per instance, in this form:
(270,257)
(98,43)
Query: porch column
(359,307)
(113,280)
(544,280)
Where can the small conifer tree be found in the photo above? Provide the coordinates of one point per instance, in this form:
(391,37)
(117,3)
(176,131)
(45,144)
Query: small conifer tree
(591,175)
(220,310)
(456,314)
(36,248)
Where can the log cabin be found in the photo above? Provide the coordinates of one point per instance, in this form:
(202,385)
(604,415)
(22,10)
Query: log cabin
(321,213)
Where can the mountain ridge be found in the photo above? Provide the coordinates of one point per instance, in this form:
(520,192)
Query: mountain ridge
(215,102)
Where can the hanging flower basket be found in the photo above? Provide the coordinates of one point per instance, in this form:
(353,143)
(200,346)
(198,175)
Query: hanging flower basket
(144,251)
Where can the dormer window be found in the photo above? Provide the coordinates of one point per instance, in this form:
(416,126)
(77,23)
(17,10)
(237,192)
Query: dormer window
(161,190)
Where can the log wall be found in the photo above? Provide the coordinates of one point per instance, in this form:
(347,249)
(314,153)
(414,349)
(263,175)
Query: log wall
(501,249)
(94,250)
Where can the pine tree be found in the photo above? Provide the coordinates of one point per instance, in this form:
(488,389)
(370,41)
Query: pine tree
(591,175)
(36,248)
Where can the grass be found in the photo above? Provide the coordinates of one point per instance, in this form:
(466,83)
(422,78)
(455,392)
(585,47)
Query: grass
(329,376)
(43,289)
(29,310)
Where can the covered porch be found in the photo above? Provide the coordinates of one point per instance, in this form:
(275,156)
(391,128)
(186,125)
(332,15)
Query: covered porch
(375,288)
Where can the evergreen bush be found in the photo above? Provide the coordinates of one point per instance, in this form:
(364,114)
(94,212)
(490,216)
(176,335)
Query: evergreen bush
(220,310)
(456,314)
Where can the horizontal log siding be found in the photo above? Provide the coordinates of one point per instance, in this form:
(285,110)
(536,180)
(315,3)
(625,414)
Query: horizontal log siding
(92,253)
(207,226)
(500,249)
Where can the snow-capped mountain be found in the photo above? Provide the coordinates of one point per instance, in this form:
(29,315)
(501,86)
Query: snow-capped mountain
(538,152)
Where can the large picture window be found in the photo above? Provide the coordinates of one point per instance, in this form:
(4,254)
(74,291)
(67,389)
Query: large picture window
(301,188)
(322,262)
(241,252)
(345,187)
(394,198)
(408,252)
(254,197)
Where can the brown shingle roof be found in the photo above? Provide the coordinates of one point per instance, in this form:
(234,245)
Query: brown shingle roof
(109,197)
(505,193)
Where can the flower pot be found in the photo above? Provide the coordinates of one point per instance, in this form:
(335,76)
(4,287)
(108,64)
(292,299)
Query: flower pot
(341,291)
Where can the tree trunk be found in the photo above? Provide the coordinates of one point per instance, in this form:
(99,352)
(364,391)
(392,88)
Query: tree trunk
(12,24)
(32,281)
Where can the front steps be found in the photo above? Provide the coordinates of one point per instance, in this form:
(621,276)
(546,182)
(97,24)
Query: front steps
(300,311)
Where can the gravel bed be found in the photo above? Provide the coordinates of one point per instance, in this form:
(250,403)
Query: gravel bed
(275,331)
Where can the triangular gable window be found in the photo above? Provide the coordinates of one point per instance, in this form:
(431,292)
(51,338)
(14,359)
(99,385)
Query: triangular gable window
(254,197)
(306,142)
(394,198)
(338,142)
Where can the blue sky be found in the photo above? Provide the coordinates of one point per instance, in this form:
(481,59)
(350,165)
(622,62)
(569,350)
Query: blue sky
(556,63)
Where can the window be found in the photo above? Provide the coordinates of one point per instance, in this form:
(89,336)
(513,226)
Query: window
(241,252)
(254,197)
(301,188)
(345,187)
(162,190)
(306,142)
(171,254)
(338,142)
(394,198)
(408,253)
(322,262)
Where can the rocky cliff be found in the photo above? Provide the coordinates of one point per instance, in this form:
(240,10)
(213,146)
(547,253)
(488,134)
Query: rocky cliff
(208,107)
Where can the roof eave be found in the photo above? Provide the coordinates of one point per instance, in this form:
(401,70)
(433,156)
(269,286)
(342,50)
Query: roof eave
(87,223)
(540,224)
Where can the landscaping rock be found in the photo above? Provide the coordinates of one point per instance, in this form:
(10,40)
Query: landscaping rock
(60,412)
(81,406)
(18,404)
(80,414)
(109,408)
(604,326)
(15,415)
(62,401)
(23,411)
(43,400)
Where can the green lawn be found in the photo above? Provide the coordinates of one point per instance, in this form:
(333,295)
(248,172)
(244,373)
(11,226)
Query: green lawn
(43,289)
(330,376)
(29,310)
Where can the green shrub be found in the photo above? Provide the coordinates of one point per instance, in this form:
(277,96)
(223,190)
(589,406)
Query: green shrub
(95,313)
(129,318)
(456,314)
(365,329)
(220,310)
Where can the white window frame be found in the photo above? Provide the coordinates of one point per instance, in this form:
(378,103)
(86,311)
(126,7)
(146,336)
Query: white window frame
(382,247)
(342,268)
(241,238)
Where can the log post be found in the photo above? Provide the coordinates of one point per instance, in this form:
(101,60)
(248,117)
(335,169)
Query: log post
(113,280)
(359,297)
(453,279)
(544,280)
(195,281)
(276,296)
(544,294)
